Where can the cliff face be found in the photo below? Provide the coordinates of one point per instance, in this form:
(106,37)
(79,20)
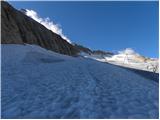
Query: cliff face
(18,28)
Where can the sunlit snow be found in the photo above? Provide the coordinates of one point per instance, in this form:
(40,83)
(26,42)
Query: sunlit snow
(37,83)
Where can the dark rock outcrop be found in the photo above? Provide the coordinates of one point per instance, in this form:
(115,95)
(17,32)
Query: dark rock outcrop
(93,52)
(83,49)
(18,28)
(102,52)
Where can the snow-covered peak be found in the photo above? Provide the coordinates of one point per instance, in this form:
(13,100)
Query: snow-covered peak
(127,55)
(127,58)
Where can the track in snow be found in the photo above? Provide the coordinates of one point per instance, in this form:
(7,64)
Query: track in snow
(41,84)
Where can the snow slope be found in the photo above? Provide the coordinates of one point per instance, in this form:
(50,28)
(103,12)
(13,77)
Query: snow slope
(37,83)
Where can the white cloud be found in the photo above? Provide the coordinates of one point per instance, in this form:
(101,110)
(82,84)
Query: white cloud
(47,23)
(128,51)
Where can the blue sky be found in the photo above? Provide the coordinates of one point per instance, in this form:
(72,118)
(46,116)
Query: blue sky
(110,26)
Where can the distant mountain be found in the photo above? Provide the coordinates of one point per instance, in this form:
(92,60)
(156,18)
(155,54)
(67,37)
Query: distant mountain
(126,58)
(129,58)
(86,51)
(17,28)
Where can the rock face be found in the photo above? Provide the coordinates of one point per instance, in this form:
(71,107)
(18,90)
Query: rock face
(18,28)
(83,49)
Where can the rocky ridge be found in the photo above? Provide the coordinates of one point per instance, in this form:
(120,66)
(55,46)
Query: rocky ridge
(18,28)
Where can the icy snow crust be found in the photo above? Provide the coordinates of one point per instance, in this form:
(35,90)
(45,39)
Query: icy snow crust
(37,83)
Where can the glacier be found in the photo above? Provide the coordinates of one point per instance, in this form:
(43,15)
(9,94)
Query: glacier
(38,83)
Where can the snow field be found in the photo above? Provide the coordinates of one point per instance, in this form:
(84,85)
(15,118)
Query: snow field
(37,83)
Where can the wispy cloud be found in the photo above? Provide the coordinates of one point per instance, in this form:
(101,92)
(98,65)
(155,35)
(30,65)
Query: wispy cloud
(128,51)
(47,23)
